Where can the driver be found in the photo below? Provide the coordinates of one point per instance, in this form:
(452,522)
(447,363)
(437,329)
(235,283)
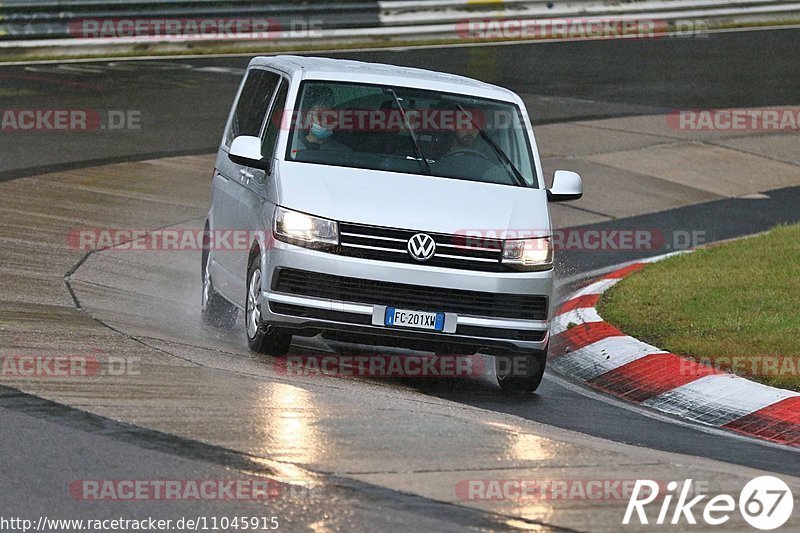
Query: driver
(321,121)
(465,136)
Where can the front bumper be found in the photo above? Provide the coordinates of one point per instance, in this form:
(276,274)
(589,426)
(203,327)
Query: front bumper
(362,322)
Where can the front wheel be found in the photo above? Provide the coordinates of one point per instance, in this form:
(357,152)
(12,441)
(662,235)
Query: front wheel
(520,373)
(261,337)
(215,310)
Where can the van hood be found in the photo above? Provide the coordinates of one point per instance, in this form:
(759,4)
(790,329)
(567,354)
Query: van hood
(409,201)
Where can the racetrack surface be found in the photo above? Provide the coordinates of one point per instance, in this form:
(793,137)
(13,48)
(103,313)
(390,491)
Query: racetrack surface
(150,299)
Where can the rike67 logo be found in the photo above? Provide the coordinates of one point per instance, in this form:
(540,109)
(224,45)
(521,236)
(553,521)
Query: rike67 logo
(766,503)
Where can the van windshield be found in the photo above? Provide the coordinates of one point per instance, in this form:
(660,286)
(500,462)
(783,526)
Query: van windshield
(398,129)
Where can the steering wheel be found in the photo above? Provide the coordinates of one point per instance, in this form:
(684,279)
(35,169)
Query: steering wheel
(465,152)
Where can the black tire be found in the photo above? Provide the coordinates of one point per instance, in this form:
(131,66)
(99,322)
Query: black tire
(215,310)
(261,338)
(520,373)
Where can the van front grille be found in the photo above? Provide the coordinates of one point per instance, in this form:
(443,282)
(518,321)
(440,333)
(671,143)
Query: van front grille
(452,251)
(415,297)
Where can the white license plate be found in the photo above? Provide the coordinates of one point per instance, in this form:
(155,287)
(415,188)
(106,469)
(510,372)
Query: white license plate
(403,318)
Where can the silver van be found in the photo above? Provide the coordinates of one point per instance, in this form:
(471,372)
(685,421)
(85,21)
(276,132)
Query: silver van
(383,205)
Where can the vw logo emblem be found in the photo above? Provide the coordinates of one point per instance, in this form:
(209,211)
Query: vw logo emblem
(421,247)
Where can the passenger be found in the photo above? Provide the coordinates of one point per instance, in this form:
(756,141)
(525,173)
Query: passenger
(321,122)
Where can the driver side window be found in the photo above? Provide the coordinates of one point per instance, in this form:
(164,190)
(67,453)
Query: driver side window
(276,121)
(252,105)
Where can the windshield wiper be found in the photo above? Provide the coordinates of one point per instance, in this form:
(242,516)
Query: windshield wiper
(425,165)
(515,173)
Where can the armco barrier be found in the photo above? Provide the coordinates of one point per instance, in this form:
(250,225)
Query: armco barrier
(429,11)
(47,19)
(53,26)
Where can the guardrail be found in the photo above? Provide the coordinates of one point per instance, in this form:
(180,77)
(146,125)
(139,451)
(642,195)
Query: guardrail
(50,19)
(424,11)
(77,26)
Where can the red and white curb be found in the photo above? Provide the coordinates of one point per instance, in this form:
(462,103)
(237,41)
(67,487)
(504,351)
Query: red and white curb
(591,350)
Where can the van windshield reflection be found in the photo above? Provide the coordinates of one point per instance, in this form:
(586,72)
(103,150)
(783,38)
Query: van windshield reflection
(398,129)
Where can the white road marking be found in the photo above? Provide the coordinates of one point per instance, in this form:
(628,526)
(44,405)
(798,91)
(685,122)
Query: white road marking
(583,390)
(582,315)
(718,399)
(603,356)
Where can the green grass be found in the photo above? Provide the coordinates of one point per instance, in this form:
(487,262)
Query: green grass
(737,299)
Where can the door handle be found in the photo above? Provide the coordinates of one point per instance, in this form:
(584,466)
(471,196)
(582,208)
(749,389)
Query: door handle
(246,174)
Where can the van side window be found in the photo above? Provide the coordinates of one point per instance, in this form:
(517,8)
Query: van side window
(276,121)
(252,105)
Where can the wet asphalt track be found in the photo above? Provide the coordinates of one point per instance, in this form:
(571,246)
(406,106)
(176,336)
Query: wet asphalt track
(184,104)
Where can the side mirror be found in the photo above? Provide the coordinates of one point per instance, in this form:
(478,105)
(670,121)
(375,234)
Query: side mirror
(246,150)
(566,186)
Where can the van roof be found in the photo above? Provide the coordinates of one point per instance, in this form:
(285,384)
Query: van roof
(379,73)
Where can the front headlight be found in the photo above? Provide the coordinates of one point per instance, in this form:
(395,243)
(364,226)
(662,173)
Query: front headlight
(529,254)
(304,230)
